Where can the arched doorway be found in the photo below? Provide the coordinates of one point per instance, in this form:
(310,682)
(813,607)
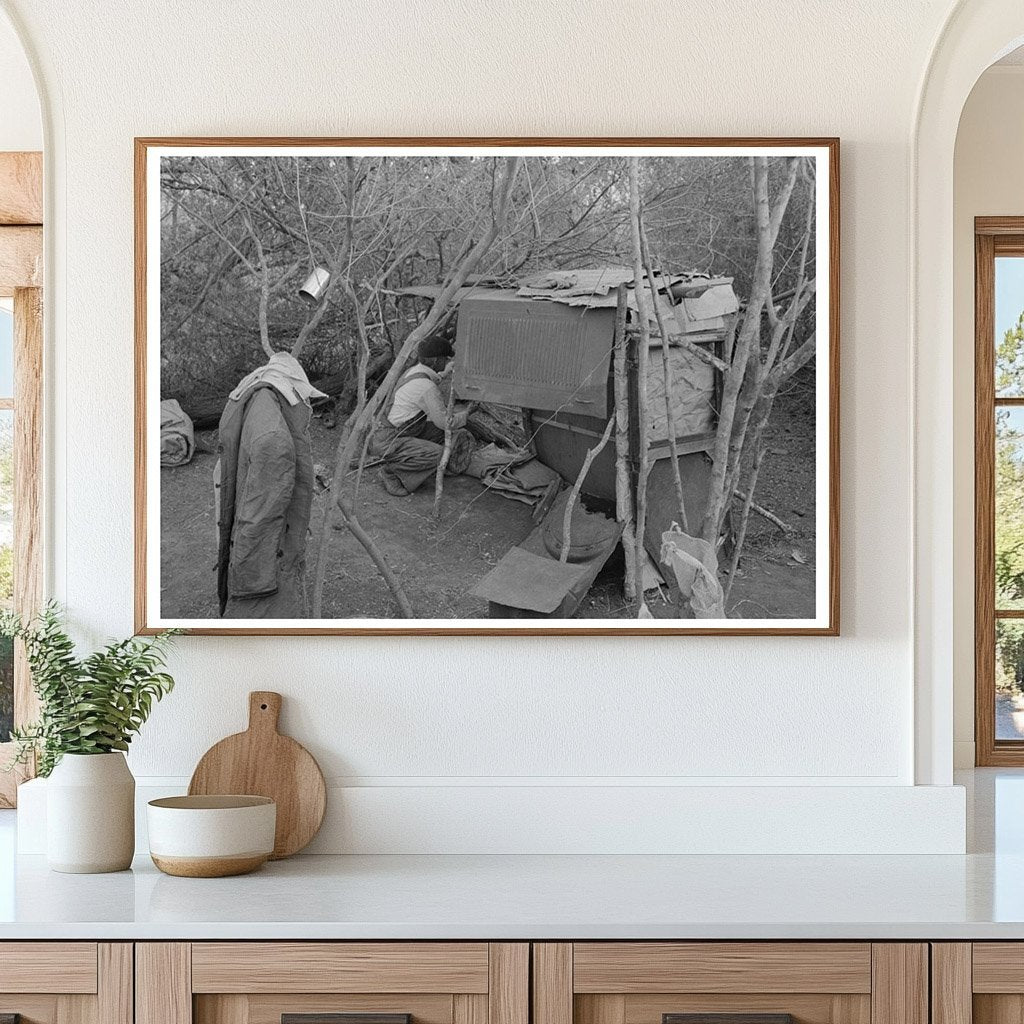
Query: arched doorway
(976,34)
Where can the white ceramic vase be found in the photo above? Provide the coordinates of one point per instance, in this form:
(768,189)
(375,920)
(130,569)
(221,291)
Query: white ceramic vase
(90,814)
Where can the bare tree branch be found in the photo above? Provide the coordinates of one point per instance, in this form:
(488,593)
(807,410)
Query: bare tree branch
(360,421)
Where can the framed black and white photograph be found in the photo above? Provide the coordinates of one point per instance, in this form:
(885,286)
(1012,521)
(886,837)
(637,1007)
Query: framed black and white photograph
(444,386)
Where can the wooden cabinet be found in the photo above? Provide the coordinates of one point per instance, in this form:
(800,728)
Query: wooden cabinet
(307,982)
(978,983)
(66,982)
(754,982)
(494,983)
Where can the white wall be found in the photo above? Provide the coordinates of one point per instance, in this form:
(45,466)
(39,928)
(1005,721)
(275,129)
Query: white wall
(21,127)
(987,181)
(434,715)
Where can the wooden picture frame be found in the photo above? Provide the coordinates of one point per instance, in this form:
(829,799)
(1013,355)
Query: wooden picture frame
(822,153)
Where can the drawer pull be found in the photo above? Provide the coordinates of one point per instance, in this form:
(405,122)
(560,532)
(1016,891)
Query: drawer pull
(340,1018)
(727,1018)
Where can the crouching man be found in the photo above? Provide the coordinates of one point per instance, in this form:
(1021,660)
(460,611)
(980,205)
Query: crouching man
(410,439)
(263,483)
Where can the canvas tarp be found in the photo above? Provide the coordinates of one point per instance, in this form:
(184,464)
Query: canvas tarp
(177,438)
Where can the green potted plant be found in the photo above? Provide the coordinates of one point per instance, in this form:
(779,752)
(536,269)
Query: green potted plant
(90,708)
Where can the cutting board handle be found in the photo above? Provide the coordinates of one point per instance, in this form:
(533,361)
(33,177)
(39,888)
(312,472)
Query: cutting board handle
(264,710)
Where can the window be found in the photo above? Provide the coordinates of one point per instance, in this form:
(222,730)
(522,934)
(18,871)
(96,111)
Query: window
(999,490)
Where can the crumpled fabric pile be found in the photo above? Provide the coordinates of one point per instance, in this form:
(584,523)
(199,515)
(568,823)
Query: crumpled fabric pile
(514,474)
(177,436)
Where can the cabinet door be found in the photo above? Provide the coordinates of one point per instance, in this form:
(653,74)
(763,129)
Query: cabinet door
(730,983)
(65,983)
(332,983)
(980,982)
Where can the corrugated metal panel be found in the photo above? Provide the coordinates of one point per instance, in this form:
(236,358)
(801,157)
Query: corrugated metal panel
(534,355)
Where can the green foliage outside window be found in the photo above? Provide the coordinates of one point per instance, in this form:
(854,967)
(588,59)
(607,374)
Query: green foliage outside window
(1009,509)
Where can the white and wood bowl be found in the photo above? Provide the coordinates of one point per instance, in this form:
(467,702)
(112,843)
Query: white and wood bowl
(211,836)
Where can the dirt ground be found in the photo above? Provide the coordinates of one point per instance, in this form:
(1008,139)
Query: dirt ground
(776,576)
(440,561)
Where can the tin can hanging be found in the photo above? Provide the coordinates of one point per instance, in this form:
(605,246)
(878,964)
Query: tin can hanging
(314,287)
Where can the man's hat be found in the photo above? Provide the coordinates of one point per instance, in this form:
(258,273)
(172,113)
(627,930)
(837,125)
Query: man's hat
(436,346)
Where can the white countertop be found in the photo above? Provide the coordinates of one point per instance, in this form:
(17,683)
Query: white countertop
(517,897)
(977,896)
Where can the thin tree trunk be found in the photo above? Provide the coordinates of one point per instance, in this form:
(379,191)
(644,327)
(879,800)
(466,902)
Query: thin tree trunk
(643,354)
(623,490)
(782,334)
(747,480)
(666,369)
(718,499)
(363,359)
(362,420)
(570,502)
(741,532)
(264,291)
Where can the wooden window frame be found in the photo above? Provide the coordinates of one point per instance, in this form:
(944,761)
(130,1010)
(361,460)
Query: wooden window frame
(21,278)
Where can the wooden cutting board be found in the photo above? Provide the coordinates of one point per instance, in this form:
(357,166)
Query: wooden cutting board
(262,762)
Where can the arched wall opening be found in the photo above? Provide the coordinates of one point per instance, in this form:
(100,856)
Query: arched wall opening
(976,35)
(989,154)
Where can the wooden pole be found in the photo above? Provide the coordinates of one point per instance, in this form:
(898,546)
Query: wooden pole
(666,369)
(623,490)
(643,353)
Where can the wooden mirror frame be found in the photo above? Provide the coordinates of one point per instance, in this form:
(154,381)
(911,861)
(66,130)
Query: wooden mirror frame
(21,278)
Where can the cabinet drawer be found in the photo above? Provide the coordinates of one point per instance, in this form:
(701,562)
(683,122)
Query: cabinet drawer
(65,967)
(730,983)
(332,983)
(750,967)
(66,982)
(998,967)
(340,967)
